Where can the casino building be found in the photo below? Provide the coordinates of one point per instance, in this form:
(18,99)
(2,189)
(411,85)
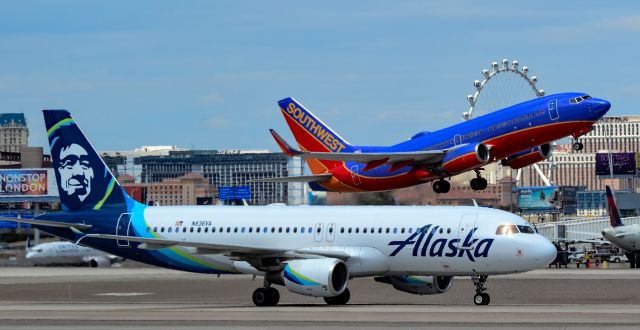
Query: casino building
(221,168)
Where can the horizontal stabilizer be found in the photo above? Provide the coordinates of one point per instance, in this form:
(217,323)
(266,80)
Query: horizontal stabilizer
(48,223)
(304,178)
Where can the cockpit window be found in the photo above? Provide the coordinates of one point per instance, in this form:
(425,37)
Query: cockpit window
(506,230)
(526,229)
(579,99)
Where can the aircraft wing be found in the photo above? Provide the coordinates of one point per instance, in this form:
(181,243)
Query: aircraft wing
(159,243)
(372,159)
(48,223)
(304,178)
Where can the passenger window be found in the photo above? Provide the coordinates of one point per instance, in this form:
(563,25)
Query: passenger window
(242,230)
(301,230)
(213,230)
(295,230)
(169,229)
(250,230)
(410,230)
(310,230)
(380,230)
(184,229)
(330,230)
(349,230)
(162,230)
(441,231)
(273,229)
(395,230)
(357,229)
(279,229)
(402,230)
(342,230)
(235,230)
(388,229)
(199,229)
(228,229)
(364,230)
(265,230)
(448,230)
(318,230)
(287,230)
(191,229)
(221,230)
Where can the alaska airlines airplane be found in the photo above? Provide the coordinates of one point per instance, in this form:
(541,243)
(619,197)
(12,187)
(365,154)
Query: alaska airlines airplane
(624,237)
(67,253)
(312,251)
(518,136)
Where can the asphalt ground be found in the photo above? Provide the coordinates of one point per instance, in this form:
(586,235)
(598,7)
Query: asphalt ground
(142,298)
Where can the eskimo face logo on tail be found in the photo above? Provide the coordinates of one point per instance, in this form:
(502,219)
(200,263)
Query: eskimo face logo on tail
(76,173)
(317,129)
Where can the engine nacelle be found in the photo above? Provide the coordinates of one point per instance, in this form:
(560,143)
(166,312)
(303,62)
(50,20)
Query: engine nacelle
(419,284)
(324,277)
(528,157)
(465,158)
(99,262)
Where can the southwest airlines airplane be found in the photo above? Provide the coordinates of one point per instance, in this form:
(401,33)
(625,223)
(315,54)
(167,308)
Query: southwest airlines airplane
(518,136)
(312,251)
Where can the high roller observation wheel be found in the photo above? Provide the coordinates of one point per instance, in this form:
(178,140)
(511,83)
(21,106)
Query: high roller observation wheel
(495,71)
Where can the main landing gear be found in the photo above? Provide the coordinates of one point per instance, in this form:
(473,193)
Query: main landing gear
(266,296)
(577,146)
(478,183)
(341,299)
(481,297)
(441,186)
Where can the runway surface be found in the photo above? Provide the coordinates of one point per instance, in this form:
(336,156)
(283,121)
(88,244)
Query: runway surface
(129,298)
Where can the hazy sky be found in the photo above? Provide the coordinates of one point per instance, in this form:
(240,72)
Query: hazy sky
(207,74)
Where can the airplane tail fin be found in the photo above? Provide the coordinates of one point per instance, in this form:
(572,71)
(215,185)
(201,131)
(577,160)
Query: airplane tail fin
(84,181)
(312,134)
(614,215)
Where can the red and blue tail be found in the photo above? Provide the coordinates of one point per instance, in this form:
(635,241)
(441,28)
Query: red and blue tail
(312,134)
(614,215)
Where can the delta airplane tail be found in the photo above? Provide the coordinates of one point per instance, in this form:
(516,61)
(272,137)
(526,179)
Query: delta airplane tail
(312,134)
(614,215)
(84,181)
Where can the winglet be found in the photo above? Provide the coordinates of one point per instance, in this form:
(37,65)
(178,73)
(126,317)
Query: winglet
(286,148)
(614,215)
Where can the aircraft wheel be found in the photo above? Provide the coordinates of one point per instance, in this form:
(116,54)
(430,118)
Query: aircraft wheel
(441,186)
(483,183)
(578,146)
(263,297)
(481,299)
(341,299)
(274,296)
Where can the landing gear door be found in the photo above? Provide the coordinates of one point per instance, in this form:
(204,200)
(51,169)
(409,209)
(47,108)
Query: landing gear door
(318,232)
(553,110)
(122,228)
(467,224)
(355,175)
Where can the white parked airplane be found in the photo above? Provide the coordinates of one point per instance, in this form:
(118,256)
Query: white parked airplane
(67,253)
(313,251)
(624,237)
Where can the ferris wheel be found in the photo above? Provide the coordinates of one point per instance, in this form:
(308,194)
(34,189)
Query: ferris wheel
(502,86)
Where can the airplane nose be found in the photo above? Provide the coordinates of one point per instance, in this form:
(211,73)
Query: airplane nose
(601,106)
(546,253)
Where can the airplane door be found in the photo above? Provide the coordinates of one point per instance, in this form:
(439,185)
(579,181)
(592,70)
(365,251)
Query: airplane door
(318,232)
(553,110)
(457,139)
(122,228)
(467,223)
(331,232)
(355,175)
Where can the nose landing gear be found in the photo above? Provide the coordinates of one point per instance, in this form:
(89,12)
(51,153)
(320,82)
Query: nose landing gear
(481,297)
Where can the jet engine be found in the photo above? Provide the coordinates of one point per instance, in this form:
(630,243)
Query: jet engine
(99,262)
(419,284)
(528,157)
(466,157)
(324,277)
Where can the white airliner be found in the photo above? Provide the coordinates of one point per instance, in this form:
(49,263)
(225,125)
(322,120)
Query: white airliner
(67,253)
(313,251)
(624,237)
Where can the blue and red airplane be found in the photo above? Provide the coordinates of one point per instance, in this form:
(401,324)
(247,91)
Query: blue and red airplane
(518,136)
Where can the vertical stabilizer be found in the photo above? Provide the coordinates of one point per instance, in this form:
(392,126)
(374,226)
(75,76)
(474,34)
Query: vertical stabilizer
(614,215)
(84,181)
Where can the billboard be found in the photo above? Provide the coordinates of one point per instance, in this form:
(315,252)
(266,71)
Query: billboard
(28,183)
(234,193)
(624,164)
(540,199)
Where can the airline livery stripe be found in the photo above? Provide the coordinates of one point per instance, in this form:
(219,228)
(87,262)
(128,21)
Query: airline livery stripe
(106,195)
(66,121)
